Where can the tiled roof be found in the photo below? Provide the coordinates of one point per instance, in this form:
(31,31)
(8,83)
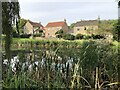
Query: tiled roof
(36,24)
(86,23)
(55,24)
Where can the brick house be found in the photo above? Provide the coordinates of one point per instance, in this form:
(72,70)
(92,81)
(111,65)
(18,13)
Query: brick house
(32,27)
(85,27)
(52,27)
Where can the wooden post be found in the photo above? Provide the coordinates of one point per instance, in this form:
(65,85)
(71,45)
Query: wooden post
(96,81)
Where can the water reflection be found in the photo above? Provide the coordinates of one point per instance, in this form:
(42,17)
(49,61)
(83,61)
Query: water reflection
(38,59)
(58,67)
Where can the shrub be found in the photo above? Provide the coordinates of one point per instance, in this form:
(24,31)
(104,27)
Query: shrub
(68,37)
(15,35)
(40,31)
(86,36)
(37,35)
(25,35)
(59,34)
(79,36)
(97,36)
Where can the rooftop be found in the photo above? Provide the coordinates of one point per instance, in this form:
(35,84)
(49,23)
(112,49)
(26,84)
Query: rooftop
(86,23)
(35,24)
(55,24)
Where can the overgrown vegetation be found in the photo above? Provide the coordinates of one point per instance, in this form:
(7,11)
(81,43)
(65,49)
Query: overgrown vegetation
(85,64)
(68,66)
(59,34)
(69,37)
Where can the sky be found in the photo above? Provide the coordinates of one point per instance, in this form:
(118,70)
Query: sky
(45,11)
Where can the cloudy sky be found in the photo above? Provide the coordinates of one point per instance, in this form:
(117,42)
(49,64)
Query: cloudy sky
(45,11)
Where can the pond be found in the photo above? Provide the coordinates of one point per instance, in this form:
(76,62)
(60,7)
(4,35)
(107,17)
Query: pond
(39,58)
(61,67)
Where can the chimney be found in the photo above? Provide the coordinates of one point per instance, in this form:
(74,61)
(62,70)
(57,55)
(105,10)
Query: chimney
(40,22)
(98,18)
(64,20)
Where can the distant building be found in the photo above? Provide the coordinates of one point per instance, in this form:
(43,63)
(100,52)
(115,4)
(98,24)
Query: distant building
(85,26)
(52,27)
(32,27)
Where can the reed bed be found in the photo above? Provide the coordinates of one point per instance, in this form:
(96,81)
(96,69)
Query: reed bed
(63,64)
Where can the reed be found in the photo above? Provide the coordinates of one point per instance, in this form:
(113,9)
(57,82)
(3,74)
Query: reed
(64,64)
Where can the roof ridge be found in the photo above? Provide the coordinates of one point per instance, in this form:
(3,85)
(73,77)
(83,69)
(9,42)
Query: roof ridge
(34,22)
(87,20)
(56,22)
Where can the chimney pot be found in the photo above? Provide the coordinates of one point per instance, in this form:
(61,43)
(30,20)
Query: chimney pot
(64,20)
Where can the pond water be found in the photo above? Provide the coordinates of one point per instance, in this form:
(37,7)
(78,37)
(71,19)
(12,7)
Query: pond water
(55,59)
(58,65)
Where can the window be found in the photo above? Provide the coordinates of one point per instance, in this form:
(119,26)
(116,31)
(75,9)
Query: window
(78,29)
(48,34)
(48,28)
(84,28)
(92,28)
(57,29)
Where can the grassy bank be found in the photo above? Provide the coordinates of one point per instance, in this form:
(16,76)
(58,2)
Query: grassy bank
(45,43)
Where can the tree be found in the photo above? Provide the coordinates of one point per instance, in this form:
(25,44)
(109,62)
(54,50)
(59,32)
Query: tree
(10,17)
(117,37)
(72,25)
(106,27)
(21,24)
(69,37)
(79,36)
(59,33)
(116,31)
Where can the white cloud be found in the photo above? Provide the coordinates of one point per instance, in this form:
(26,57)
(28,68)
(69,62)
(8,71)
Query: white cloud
(54,11)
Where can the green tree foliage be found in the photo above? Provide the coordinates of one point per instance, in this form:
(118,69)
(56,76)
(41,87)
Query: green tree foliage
(37,35)
(106,26)
(21,24)
(59,34)
(116,31)
(79,36)
(69,37)
(117,35)
(10,17)
(72,25)
(40,31)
